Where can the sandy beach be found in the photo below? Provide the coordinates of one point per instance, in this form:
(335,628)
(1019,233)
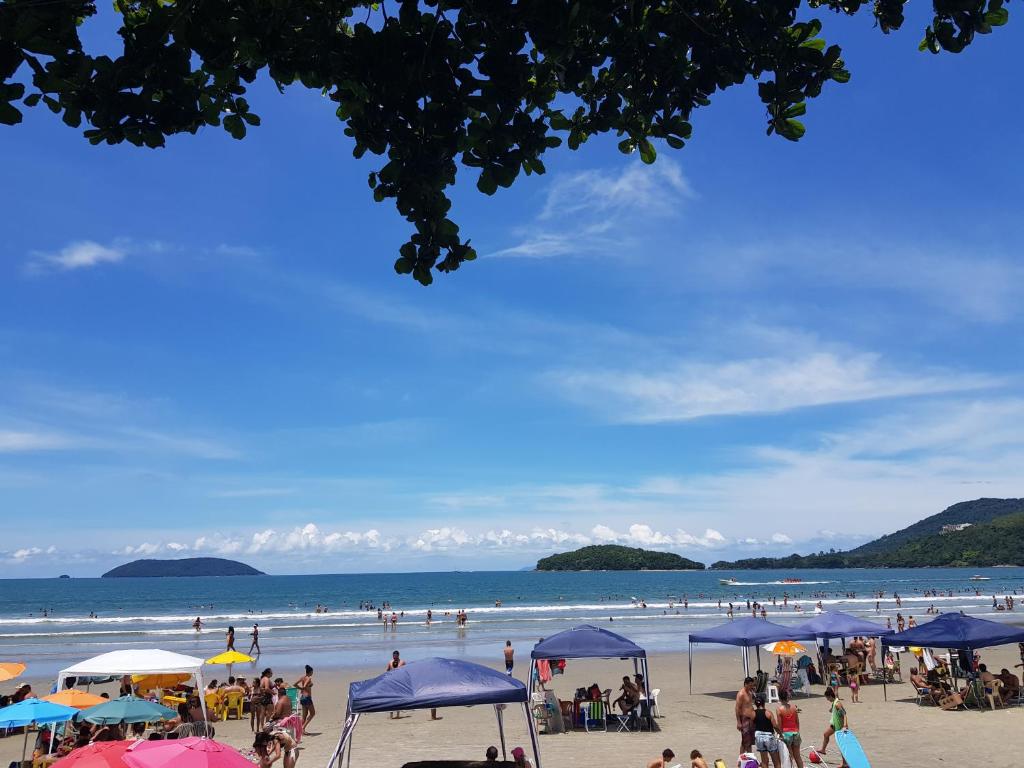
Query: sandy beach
(894,732)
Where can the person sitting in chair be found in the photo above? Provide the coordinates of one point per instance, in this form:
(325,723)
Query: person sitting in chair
(630,696)
(1011,684)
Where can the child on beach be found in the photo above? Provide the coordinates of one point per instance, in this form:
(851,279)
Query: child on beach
(837,721)
(851,681)
(697,760)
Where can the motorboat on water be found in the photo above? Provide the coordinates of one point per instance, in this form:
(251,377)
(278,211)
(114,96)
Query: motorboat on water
(727,582)
(977,577)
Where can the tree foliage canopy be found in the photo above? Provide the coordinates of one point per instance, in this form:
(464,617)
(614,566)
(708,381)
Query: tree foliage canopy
(614,557)
(430,85)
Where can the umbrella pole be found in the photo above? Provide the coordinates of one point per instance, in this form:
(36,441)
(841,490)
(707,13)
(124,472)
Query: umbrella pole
(759,658)
(24,746)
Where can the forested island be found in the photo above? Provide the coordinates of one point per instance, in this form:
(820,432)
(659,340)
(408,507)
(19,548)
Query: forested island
(983,532)
(188,566)
(613,557)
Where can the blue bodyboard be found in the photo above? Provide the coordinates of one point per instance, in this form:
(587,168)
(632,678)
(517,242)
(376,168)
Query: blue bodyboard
(852,751)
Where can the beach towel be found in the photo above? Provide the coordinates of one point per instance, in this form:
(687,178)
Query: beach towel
(543,670)
(292,724)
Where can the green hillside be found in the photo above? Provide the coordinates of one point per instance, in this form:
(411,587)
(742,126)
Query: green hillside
(974,512)
(612,557)
(995,537)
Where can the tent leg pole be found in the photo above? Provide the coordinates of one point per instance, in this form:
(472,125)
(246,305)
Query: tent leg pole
(689,657)
(501,731)
(24,746)
(533,734)
(533,675)
(759,658)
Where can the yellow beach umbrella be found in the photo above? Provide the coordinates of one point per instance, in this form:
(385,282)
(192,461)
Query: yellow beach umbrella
(72,697)
(229,657)
(785,648)
(10,670)
(165,680)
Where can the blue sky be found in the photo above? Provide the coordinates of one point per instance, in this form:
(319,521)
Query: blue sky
(752,346)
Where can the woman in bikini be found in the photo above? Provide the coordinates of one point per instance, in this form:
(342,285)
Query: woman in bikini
(789,726)
(272,747)
(231,638)
(263,699)
(305,686)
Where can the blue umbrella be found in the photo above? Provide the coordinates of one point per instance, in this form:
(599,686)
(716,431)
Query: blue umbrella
(34,712)
(127,709)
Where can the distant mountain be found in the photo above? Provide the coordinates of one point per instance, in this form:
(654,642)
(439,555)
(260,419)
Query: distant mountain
(973,512)
(189,566)
(612,557)
(975,533)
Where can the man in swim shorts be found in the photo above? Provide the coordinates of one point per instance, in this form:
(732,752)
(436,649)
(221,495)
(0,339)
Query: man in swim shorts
(305,686)
(745,714)
(509,653)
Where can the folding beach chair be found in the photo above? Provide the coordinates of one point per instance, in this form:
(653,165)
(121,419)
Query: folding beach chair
(594,715)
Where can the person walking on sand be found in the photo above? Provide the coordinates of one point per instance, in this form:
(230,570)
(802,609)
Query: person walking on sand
(305,686)
(231,638)
(788,720)
(745,714)
(838,721)
(509,654)
(255,639)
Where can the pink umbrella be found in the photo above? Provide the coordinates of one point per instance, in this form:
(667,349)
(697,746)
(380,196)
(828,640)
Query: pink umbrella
(191,752)
(100,754)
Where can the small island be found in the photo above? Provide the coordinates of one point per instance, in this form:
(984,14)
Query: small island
(614,557)
(188,566)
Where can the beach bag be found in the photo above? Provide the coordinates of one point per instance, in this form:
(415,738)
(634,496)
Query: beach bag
(748,760)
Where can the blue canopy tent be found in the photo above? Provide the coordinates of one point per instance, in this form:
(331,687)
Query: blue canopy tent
(589,642)
(430,684)
(746,633)
(838,625)
(956,632)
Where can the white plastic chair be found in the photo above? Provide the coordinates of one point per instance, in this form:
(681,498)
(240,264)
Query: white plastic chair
(773,693)
(654,702)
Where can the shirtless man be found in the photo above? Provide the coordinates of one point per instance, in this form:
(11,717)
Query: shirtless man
(282,707)
(664,761)
(395,663)
(305,686)
(745,714)
(509,653)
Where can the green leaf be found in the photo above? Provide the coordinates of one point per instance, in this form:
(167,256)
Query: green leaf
(9,114)
(487,183)
(997,18)
(794,130)
(626,146)
(815,42)
(647,152)
(841,75)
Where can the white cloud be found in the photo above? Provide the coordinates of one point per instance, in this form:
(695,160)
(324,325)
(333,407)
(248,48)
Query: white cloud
(15,441)
(781,538)
(690,390)
(79,255)
(596,212)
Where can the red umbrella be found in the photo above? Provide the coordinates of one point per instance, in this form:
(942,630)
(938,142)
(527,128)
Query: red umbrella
(191,752)
(99,754)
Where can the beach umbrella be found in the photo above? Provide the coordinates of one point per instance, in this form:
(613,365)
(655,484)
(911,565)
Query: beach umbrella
(191,752)
(72,697)
(34,712)
(785,648)
(229,658)
(165,680)
(10,670)
(127,709)
(99,754)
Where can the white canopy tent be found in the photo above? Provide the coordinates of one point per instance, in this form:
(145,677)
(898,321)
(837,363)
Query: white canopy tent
(150,661)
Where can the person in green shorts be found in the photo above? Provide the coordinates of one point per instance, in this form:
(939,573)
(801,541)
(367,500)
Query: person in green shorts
(788,719)
(838,721)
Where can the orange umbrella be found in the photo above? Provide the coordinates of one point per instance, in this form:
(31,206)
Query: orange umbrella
(785,648)
(163,680)
(10,670)
(72,697)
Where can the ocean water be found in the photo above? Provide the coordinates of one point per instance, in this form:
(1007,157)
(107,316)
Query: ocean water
(158,613)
